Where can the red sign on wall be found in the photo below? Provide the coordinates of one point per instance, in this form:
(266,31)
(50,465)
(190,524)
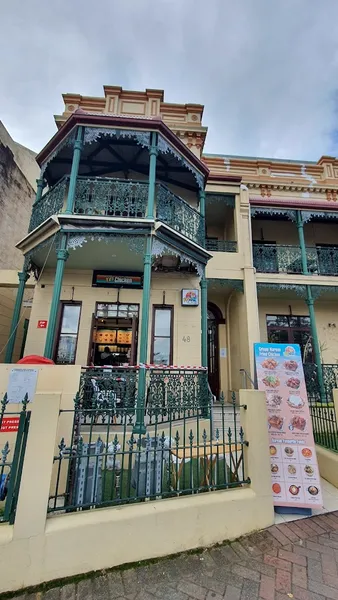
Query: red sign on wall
(42,324)
(9,424)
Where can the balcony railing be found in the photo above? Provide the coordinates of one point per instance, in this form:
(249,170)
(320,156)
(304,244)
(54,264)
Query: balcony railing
(220,246)
(179,215)
(111,197)
(270,258)
(50,204)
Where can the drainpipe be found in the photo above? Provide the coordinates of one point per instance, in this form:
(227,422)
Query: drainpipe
(62,255)
(23,276)
(204,320)
(310,303)
(74,171)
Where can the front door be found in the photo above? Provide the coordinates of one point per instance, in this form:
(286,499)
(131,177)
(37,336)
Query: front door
(213,354)
(289,329)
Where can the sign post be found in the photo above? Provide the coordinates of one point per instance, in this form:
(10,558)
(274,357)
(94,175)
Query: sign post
(295,478)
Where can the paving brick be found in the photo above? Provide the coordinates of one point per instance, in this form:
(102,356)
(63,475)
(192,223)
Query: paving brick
(299,576)
(288,532)
(323,522)
(283,581)
(260,566)
(267,588)
(246,573)
(319,547)
(67,592)
(301,594)
(325,590)
(232,593)
(279,535)
(305,528)
(250,590)
(84,590)
(329,542)
(214,596)
(115,584)
(53,594)
(330,580)
(329,565)
(192,590)
(240,551)
(314,569)
(306,552)
(277,562)
(300,532)
(318,530)
(293,558)
(101,588)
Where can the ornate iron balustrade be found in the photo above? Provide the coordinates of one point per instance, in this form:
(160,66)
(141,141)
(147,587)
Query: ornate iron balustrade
(330,379)
(178,214)
(220,246)
(323,413)
(111,197)
(272,258)
(102,462)
(327,260)
(50,204)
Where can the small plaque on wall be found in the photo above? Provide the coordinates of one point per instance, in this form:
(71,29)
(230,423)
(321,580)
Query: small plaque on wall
(190,297)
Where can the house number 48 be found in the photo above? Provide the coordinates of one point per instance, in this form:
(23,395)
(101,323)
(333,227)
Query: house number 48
(186,338)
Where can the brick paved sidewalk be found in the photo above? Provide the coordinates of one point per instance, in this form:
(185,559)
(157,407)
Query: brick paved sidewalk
(294,560)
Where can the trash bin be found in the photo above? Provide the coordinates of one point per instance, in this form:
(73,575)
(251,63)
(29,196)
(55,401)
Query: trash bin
(88,475)
(148,467)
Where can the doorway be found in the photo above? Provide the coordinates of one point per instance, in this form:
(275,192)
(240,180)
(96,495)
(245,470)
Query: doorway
(214,319)
(114,333)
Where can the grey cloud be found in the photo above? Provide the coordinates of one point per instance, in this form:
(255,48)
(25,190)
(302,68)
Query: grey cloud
(266,70)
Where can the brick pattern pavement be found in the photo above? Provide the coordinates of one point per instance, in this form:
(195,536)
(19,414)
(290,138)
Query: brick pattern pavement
(294,560)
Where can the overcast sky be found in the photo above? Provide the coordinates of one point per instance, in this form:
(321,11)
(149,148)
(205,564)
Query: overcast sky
(266,70)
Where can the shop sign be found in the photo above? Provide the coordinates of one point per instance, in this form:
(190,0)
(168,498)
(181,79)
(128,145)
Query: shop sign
(118,280)
(42,324)
(295,478)
(9,424)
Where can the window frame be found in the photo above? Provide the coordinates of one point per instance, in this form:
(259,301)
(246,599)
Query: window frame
(64,303)
(156,307)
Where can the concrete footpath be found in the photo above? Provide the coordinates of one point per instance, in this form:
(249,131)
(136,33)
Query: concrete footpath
(294,560)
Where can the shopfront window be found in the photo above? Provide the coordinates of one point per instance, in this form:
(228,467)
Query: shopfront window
(122,311)
(287,329)
(68,334)
(162,337)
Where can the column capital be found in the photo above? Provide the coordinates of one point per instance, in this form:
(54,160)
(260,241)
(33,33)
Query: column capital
(23,276)
(40,182)
(78,145)
(62,254)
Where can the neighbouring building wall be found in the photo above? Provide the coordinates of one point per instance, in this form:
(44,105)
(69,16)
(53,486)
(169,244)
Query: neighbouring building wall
(18,172)
(77,285)
(326,319)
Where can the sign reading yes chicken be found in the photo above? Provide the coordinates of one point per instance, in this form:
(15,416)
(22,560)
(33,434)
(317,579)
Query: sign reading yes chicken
(294,469)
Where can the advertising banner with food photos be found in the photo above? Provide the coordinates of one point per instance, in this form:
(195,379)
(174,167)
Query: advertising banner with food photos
(294,469)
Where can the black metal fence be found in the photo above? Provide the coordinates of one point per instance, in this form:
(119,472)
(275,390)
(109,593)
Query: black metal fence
(105,462)
(323,413)
(14,427)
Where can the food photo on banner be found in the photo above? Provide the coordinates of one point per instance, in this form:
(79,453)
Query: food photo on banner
(295,479)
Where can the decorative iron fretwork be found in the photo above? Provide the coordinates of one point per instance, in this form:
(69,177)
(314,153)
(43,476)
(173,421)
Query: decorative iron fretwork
(271,212)
(68,141)
(235,284)
(179,215)
(272,258)
(300,290)
(92,134)
(52,243)
(50,204)
(111,197)
(226,199)
(164,147)
(161,249)
(220,246)
(135,242)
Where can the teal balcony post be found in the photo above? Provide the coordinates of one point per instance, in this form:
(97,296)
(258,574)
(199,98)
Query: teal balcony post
(152,176)
(23,276)
(310,303)
(74,170)
(40,184)
(202,213)
(139,424)
(62,256)
(204,321)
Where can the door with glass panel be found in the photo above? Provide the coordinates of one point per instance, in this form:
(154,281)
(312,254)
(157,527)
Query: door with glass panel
(289,329)
(114,335)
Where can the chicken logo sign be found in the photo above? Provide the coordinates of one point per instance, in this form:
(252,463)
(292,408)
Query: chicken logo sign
(295,479)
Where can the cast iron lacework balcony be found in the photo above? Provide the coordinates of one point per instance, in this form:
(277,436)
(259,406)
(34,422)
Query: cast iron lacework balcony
(220,245)
(50,204)
(106,196)
(270,258)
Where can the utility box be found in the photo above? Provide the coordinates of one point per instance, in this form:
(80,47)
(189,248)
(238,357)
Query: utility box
(148,468)
(88,474)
